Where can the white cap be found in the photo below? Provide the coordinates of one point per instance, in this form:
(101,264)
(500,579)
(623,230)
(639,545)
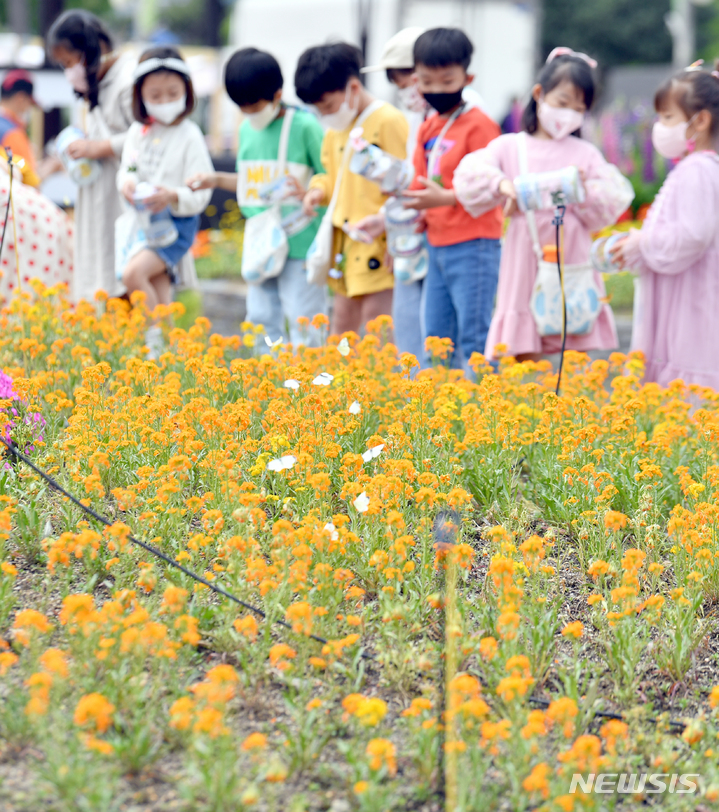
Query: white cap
(398,52)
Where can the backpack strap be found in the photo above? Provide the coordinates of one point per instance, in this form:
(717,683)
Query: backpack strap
(359,121)
(284,140)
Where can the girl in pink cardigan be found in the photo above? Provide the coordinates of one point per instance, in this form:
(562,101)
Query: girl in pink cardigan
(552,120)
(677,250)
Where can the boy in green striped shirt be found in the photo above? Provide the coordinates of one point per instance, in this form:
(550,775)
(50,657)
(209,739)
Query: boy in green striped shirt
(254,82)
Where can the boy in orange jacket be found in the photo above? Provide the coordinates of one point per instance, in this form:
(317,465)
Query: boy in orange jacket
(464,252)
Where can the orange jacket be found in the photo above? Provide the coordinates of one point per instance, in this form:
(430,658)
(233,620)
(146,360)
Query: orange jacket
(471,130)
(15,137)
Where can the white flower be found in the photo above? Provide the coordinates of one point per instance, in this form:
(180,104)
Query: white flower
(354,408)
(270,343)
(343,348)
(361,503)
(282,464)
(332,530)
(323,379)
(373,453)
(291,383)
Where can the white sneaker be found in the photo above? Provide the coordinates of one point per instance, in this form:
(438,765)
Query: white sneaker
(154,342)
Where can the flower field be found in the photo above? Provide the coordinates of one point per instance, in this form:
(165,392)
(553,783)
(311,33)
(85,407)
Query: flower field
(470,591)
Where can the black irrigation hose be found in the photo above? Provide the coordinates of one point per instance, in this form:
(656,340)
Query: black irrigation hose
(559,223)
(444,537)
(153,550)
(679,726)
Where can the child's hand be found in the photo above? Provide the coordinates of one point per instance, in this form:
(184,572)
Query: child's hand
(160,200)
(430,197)
(625,252)
(83,148)
(128,191)
(311,200)
(202,180)
(506,188)
(372,225)
(294,187)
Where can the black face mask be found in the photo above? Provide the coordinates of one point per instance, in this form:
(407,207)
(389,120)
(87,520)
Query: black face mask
(443,102)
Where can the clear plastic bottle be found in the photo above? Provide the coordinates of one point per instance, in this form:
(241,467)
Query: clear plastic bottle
(401,227)
(83,171)
(391,173)
(546,190)
(601,258)
(159,227)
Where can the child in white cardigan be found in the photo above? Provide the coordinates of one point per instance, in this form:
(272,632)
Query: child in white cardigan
(163,147)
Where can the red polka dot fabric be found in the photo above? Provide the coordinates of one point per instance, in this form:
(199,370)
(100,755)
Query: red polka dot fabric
(44,240)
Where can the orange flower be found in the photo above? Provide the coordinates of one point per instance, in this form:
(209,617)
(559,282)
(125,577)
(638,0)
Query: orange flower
(247,627)
(94,710)
(255,741)
(382,754)
(300,616)
(564,711)
(536,781)
(574,630)
(280,654)
(181,713)
(488,648)
(615,521)
(55,662)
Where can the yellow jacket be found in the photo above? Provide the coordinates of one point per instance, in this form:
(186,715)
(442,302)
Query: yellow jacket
(387,128)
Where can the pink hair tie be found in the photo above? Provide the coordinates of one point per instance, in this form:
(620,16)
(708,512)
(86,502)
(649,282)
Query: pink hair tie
(695,65)
(563,51)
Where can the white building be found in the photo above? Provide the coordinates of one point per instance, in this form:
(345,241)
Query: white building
(503,33)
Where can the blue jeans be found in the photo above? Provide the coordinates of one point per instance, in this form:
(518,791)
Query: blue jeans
(459,292)
(283,299)
(407,315)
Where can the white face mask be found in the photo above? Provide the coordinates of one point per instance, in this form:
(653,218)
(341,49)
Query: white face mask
(264,117)
(77,76)
(411,99)
(672,142)
(559,122)
(342,118)
(167,112)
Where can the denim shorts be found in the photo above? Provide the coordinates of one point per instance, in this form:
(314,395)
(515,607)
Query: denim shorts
(187,228)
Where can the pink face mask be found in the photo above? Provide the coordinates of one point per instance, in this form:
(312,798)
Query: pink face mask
(672,142)
(77,76)
(559,122)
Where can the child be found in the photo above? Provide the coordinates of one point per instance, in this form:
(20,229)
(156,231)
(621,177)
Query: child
(463,251)
(81,44)
(398,62)
(563,94)
(163,147)
(328,76)
(254,82)
(677,250)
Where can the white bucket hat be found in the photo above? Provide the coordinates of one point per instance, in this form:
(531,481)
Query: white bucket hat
(398,53)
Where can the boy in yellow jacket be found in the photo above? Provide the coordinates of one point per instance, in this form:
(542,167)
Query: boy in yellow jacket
(328,77)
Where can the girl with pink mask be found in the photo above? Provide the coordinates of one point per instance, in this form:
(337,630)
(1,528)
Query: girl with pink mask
(677,251)
(551,140)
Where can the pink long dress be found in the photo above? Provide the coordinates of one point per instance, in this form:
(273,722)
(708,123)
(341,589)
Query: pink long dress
(676,327)
(608,193)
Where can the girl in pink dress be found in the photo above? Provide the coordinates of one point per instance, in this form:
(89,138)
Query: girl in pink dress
(552,120)
(677,251)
